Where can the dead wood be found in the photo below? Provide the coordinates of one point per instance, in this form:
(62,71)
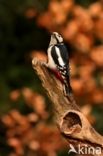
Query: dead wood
(72,124)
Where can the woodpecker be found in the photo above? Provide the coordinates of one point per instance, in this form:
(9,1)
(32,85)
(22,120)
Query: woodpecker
(58,60)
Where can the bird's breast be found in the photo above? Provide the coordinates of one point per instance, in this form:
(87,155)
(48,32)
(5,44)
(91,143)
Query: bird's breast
(51,63)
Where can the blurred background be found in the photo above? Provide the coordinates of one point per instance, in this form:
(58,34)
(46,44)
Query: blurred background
(26,114)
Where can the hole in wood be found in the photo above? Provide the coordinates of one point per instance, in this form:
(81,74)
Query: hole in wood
(71,123)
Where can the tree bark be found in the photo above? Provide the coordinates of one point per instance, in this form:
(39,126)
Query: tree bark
(72,124)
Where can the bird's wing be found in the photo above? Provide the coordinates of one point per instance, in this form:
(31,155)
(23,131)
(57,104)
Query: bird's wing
(63,52)
(60,54)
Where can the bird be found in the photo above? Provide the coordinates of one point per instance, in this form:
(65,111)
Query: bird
(58,60)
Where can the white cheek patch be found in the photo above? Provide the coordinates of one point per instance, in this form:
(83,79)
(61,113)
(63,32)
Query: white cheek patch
(60,60)
(60,39)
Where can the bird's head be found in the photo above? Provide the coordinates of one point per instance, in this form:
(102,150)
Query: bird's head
(56,38)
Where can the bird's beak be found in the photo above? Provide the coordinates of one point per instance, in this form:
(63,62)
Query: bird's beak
(53,35)
(53,39)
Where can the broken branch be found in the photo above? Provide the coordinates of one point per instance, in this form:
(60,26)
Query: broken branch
(73,125)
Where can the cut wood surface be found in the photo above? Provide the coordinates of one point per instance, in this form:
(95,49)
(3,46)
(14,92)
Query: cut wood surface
(71,122)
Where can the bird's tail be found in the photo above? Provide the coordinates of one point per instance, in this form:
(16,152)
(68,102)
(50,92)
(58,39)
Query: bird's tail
(67,86)
(67,89)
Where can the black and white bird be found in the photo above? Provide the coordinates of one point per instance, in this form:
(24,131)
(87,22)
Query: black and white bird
(58,60)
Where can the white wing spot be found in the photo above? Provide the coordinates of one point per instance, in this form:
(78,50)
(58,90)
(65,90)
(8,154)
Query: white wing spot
(59,57)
